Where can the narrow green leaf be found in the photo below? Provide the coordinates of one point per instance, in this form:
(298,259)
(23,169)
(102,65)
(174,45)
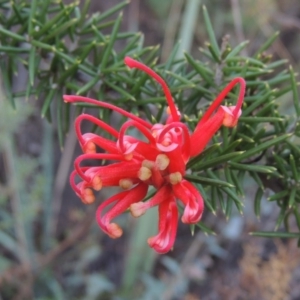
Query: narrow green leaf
(292,196)
(272,234)
(228,209)
(262,100)
(297,216)
(257,179)
(113,10)
(260,119)
(120,90)
(112,39)
(294,168)
(281,217)
(31,66)
(236,51)
(47,101)
(267,44)
(32,16)
(13,50)
(238,182)
(296,98)
(280,78)
(130,46)
(88,86)
(257,202)
(266,110)
(213,197)
(206,153)
(245,138)
(252,168)
(203,71)
(60,17)
(208,181)
(281,165)
(218,160)
(294,147)
(249,62)
(238,202)
(232,146)
(278,196)
(219,195)
(68,73)
(210,205)
(261,147)
(84,12)
(11,34)
(16,9)
(213,53)
(7,85)
(61,29)
(170,62)
(178,77)
(45,9)
(277,63)
(205,229)
(211,32)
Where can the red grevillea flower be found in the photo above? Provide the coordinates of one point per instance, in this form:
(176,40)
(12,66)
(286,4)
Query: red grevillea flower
(159,161)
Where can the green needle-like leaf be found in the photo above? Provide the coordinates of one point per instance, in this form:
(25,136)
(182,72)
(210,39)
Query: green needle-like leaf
(47,102)
(31,66)
(272,234)
(112,39)
(296,98)
(257,202)
(88,86)
(211,32)
(205,229)
(294,168)
(261,147)
(207,180)
(236,51)
(203,72)
(292,196)
(267,44)
(253,168)
(11,34)
(217,160)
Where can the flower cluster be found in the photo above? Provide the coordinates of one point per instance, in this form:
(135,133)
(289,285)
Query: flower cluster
(159,161)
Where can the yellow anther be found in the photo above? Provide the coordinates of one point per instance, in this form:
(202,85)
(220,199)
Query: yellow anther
(97,183)
(144,173)
(148,164)
(125,184)
(162,161)
(88,196)
(137,209)
(175,177)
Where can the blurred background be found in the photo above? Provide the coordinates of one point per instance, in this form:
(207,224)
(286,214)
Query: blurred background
(75,259)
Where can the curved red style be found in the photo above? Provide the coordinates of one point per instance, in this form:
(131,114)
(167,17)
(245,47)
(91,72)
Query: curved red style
(159,162)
